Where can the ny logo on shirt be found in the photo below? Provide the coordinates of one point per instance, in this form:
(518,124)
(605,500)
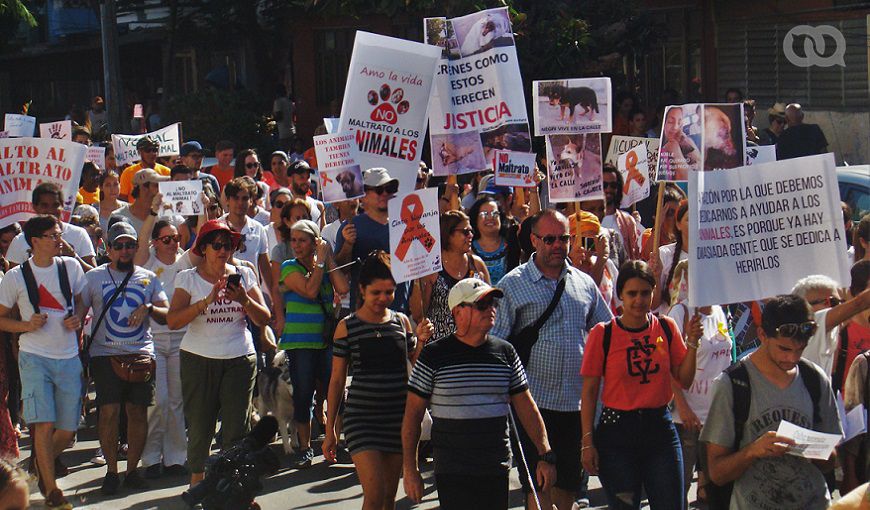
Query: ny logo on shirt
(639,359)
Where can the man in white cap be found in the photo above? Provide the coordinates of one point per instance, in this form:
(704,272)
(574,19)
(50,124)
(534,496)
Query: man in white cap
(145,188)
(469,380)
(370,231)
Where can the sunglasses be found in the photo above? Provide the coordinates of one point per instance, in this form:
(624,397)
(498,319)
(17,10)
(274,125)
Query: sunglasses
(489,214)
(465,231)
(129,245)
(613,185)
(252,165)
(218,246)
(829,301)
(279,204)
(800,330)
(390,188)
(169,239)
(484,304)
(549,240)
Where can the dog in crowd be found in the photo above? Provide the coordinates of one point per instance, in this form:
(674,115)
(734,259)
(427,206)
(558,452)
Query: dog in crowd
(349,185)
(276,399)
(567,98)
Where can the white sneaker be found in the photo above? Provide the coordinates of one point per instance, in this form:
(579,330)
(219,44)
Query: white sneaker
(98,458)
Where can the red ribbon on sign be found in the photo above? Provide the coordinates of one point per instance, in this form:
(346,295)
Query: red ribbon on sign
(412,211)
(324,180)
(633,173)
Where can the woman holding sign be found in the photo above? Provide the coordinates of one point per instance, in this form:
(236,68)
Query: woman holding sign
(635,446)
(379,343)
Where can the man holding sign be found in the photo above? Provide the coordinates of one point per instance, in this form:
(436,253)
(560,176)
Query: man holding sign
(148,149)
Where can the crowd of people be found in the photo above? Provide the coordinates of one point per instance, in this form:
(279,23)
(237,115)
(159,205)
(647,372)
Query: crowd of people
(556,338)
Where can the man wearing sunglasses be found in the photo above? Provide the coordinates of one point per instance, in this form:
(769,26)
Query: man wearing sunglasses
(145,188)
(470,420)
(124,330)
(554,365)
(370,231)
(299,174)
(618,220)
(148,149)
(780,386)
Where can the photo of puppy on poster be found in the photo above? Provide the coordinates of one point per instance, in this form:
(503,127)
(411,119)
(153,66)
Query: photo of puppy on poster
(574,167)
(342,183)
(483,31)
(457,153)
(580,105)
(509,137)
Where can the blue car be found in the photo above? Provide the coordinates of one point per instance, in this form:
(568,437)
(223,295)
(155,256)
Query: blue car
(854,183)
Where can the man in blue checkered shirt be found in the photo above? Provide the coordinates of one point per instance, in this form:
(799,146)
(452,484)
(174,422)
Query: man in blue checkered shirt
(554,366)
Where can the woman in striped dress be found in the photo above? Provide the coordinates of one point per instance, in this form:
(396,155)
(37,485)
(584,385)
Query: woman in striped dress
(379,343)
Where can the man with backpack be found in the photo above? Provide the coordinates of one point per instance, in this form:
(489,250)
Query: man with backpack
(47,289)
(751,399)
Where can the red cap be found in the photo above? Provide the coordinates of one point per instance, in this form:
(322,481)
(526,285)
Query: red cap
(212,226)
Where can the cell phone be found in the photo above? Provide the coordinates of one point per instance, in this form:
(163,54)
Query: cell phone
(234,280)
(589,243)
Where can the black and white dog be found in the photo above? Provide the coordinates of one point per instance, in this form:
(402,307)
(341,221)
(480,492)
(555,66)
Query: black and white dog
(569,97)
(276,399)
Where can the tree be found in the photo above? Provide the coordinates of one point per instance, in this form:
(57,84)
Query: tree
(18,11)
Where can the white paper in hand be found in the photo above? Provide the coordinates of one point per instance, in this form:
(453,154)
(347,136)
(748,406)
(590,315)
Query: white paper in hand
(809,443)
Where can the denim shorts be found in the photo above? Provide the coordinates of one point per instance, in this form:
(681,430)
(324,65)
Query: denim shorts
(51,390)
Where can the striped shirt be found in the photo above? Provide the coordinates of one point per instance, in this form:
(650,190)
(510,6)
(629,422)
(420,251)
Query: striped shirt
(469,390)
(554,366)
(303,317)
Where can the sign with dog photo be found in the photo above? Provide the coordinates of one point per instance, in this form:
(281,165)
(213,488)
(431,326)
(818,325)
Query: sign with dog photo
(574,168)
(340,177)
(183,196)
(415,235)
(634,167)
(515,169)
(386,98)
(580,105)
(477,106)
(700,137)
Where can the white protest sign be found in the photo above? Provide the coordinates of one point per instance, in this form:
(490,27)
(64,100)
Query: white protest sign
(126,153)
(634,168)
(760,154)
(700,137)
(757,230)
(138,111)
(574,168)
(478,105)
(619,145)
(385,102)
(415,236)
(580,105)
(27,162)
(19,125)
(809,444)
(514,169)
(97,155)
(183,196)
(331,124)
(60,130)
(339,171)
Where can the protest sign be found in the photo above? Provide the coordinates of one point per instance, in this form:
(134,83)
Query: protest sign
(339,171)
(619,145)
(125,145)
(385,103)
(19,125)
(27,162)
(760,154)
(574,167)
(183,196)
(60,130)
(138,111)
(96,155)
(415,236)
(580,105)
(331,124)
(477,104)
(698,137)
(634,167)
(514,169)
(757,230)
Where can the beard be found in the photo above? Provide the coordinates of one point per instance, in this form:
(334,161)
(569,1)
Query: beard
(124,265)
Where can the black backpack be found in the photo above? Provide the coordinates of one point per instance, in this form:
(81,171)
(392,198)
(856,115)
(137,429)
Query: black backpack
(838,378)
(719,496)
(608,332)
(33,290)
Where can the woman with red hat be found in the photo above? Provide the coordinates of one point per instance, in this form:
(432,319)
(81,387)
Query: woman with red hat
(218,361)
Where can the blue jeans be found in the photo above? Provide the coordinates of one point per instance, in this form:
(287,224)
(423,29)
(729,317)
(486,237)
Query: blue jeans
(307,366)
(640,450)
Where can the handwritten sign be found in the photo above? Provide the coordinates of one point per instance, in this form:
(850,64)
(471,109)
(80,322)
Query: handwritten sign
(19,125)
(634,167)
(574,167)
(415,238)
(169,139)
(96,155)
(183,196)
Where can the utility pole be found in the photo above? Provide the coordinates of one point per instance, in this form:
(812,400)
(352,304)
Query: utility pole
(112,68)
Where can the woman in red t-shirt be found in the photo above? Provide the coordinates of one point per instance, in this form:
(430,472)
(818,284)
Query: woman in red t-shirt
(635,446)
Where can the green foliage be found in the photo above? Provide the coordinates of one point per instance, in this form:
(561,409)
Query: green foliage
(211,115)
(17,10)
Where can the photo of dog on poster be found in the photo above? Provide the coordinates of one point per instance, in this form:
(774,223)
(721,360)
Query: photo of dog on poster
(342,183)
(574,167)
(723,136)
(457,153)
(483,31)
(508,137)
(572,106)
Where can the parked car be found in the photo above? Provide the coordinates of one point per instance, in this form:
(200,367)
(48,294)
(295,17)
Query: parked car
(854,184)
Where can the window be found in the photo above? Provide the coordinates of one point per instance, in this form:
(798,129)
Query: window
(333,48)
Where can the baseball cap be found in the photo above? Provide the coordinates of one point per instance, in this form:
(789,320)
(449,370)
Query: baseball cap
(86,212)
(189,147)
(121,229)
(148,175)
(374,177)
(300,166)
(470,290)
(147,141)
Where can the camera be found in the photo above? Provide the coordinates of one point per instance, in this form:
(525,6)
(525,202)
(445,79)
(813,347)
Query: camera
(232,478)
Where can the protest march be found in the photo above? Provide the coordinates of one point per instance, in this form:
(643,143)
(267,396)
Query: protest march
(440,296)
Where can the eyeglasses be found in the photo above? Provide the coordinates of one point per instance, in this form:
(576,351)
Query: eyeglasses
(56,236)
(829,301)
(169,239)
(390,188)
(129,245)
(800,330)
(613,185)
(467,231)
(252,165)
(489,214)
(549,240)
(484,304)
(218,246)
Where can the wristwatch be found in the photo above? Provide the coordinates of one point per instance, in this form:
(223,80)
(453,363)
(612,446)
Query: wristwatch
(549,457)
